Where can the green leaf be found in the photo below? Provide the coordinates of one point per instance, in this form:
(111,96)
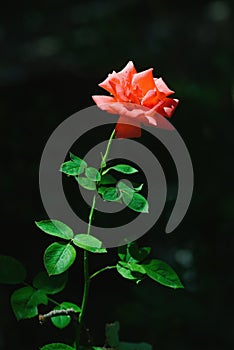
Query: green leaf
(138,254)
(132,266)
(58,257)
(73,167)
(111,195)
(93,174)
(70,168)
(63,321)
(89,243)
(50,284)
(86,183)
(125,272)
(55,228)
(11,270)
(129,267)
(24,302)
(122,168)
(126,192)
(57,346)
(137,203)
(134,346)
(77,160)
(162,273)
(123,252)
(107,180)
(131,252)
(134,201)
(123,187)
(39,297)
(138,188)
(101,190)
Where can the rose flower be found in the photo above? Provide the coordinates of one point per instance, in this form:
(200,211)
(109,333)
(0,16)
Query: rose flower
(138,98)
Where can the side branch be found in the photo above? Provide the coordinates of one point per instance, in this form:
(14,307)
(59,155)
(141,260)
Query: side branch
(66,312)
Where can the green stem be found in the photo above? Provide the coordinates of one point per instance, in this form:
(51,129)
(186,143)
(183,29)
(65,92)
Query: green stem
(104,158)
(103,269)
(87,278)
(91,215)
(85,297)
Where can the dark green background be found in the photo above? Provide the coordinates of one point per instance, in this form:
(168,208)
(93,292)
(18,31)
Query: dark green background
(53,54)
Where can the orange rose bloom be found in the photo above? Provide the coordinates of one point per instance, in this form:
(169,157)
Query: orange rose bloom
(138,98)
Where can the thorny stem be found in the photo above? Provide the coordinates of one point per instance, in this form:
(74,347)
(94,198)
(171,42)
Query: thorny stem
(87,278)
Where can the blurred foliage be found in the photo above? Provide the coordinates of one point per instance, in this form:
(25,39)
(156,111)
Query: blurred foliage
(53,55)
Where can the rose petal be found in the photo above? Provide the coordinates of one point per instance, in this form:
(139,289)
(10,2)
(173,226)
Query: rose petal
(102,99)
(168,107)
(144,80)
(162,87)
(127,72)
(150,99)
(156,120)
(111,82)
(151,120)
(120,92)
(127,109)
(163,123)
(114,80)
(104,102)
